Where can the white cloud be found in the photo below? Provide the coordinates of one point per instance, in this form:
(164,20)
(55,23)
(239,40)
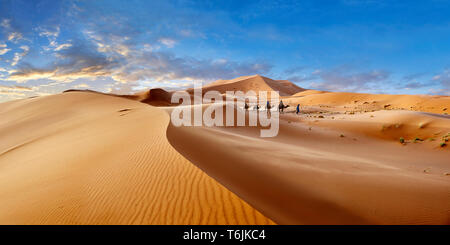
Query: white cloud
(12,34)
(82,85)
(220,61)
(50,34)
(63,46)
(19,56)
(170,43)
(344,78)
(13,94)
(122,88)
(15,36)
(25,48)
(97,54)
(110,44)
(444,83)
(14,88)
(5,23)
(3,49)
(148,47)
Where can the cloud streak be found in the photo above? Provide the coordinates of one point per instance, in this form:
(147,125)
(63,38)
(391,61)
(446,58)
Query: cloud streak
(345,79)
(14,88)
(444,80)
(18,56)
(4,49)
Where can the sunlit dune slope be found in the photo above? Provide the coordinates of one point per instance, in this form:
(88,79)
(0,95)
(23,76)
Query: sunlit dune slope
(308,92)
(369,102)
(90,158)
(392,125)
(255,83)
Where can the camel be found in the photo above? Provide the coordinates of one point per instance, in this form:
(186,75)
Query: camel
(281,107)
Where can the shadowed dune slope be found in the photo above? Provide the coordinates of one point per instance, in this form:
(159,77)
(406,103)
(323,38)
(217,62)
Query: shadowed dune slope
(89,158)
(157,97)
(154,96)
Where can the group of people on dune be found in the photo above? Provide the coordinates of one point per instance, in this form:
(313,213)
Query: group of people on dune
(281,107)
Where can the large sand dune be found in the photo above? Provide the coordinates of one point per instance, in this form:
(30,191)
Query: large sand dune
(311,175)
(254,83)
(88,158)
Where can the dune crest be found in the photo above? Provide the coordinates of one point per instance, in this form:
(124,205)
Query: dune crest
(255,83)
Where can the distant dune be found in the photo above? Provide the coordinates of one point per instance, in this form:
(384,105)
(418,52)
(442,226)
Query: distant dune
(369,102)
(84,157)
(255,83)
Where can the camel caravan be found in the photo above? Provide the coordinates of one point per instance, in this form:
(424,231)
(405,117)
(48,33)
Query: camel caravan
(269,107)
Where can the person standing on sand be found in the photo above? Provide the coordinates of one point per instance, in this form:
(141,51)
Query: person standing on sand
(268,109)
(298,109)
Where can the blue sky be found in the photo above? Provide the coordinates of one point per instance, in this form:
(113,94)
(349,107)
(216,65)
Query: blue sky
(374,46)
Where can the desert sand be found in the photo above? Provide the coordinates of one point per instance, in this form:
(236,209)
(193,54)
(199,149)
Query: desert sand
(83,157)
(89,158)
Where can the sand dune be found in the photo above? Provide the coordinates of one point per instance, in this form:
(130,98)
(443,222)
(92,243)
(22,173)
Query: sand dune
(88,158)
(157,97)
(255,83)
(369,102)
(338,162)
(313,176)
(154,96)
(84,157)
(413,127)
